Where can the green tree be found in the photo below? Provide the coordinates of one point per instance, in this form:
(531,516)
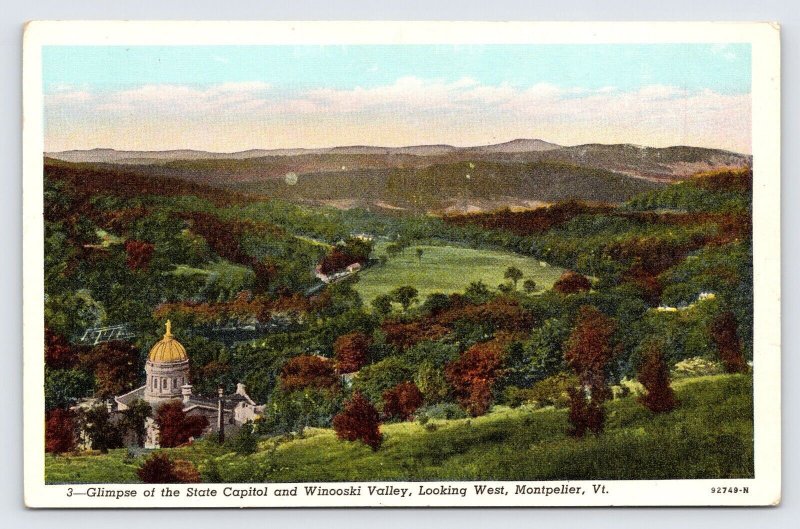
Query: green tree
(133,419)
(405,296)
(62,387)
(514,274)
(245,441)
(382,304)
(529,286)
(103,434)
(419,254)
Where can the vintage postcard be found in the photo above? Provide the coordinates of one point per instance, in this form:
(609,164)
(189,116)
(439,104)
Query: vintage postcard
(401,264)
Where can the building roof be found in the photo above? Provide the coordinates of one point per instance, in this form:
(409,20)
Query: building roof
(168,350)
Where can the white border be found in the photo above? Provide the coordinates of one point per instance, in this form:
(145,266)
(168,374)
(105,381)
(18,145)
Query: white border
(765,489)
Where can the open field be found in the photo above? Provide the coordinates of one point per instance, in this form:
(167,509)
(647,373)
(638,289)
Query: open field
(448,269)
(506,444)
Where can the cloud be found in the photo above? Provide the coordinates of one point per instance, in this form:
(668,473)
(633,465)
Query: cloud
(653,114)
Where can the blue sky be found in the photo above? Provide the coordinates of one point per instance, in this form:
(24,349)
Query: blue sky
(228,98)
(722,68)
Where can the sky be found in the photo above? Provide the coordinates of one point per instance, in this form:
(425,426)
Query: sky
(233,98)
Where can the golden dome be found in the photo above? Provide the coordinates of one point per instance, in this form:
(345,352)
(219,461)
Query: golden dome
(168,349)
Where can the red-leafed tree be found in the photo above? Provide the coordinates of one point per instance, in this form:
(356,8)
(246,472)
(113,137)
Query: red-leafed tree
(571,282)
(401,401)
(58,352)
(359,421)
(59,432)
(589,349)
(138,254)
(729,347)
(116,367)
(472,376)
(351,351)
(175,426)
(308,371)
(654,376)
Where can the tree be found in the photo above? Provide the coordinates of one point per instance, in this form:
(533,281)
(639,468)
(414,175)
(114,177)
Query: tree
(351,351)
(138,254)
(133,419)
(103,434)
(58,352)
(419,254)
(514,274)
(402,401)
(245,441)
(405,296)
(472,376)
(477,292)
(63,387)
(729,347)
(159,468)
(654,376)
(529,286)
(175,426)
(308,371)
(589,350)
(116,367)
(359,420)
(436,303)
(571,283)
(382,304)
(59,432)
(505,288)
(376,378)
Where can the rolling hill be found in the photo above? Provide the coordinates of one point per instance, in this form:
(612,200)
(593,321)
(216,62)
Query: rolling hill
(521,173)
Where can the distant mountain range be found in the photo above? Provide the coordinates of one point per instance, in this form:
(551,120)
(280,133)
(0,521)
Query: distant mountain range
(518,173)
(136,157)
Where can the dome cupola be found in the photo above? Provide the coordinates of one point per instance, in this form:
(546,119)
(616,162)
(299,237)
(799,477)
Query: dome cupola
(168,350)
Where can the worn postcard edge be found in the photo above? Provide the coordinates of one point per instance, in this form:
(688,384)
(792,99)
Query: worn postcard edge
(764,489)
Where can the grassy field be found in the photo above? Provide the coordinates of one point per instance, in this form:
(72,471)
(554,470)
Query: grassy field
(709,436)
(448,269)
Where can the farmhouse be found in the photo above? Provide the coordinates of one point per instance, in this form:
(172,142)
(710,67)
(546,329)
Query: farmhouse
(167,370)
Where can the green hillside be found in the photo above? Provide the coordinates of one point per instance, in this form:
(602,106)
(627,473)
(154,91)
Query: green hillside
(506,444)
(448,269)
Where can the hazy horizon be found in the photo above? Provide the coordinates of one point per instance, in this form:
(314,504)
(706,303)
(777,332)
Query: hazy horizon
(237,98)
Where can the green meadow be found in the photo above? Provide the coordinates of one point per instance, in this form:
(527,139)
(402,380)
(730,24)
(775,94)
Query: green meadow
(710,435)
(448,269)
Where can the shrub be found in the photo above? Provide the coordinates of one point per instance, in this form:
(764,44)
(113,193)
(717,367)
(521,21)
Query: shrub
(402,401)
(553,390)
(571,283)
(696,366)
(359,421)
(59,432)
(443,411)
(245,441)
(159,468)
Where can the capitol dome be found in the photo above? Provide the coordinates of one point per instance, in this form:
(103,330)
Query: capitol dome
(168,350)
(167,369)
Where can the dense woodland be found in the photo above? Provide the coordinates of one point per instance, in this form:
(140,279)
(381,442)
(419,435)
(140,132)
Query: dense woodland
(656,285)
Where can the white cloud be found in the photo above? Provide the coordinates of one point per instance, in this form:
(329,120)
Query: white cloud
(654,114)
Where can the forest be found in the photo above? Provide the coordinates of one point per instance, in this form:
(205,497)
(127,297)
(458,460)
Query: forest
(651,308)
